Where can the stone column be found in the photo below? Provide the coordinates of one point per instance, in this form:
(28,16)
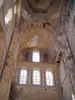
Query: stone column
(18,12)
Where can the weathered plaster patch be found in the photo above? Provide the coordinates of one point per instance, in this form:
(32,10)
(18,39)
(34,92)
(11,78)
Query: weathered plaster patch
(33,42)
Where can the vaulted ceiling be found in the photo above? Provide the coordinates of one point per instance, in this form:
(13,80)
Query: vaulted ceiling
(41,6)
(39,25)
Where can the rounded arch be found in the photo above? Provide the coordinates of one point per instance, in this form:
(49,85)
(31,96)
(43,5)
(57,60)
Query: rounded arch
(47,36)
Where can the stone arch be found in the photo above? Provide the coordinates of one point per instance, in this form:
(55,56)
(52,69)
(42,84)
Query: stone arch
(36,24)
(46,25)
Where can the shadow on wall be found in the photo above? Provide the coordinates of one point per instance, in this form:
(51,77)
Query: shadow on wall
(2,47)
(13,95)
(1,3)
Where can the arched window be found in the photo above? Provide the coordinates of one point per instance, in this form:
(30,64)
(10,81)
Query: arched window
(73,96)
(15,9)
(23,77)
(36,77)
(49,78)
(36,56)
(8,17)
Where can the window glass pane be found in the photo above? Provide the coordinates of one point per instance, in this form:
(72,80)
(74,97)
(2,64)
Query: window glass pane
(36,56)
(23,76)
(73,96)
(8,17)
(49,78)
(15,9)
(14,1)
(36,77)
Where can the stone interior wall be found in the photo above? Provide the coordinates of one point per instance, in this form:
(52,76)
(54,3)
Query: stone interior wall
(67,77)
(2,46)
(8,72)
(65,82)
(35,93)
(6,34)
(35,35)
(67,74)
(30,91)
(10,27)
(27,40)
(67,65)
(71,29)
(7,29)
